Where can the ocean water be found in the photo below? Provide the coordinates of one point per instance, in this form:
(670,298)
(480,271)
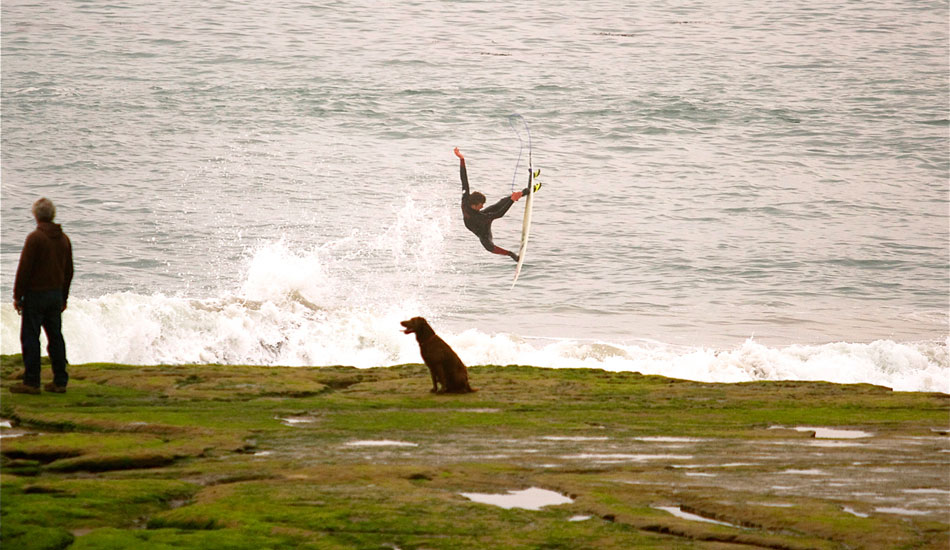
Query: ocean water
(732,192)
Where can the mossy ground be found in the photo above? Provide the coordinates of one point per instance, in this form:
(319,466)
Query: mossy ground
(238,457)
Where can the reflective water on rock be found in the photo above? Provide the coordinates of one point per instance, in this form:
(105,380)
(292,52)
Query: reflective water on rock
(533,498)
(380,443)
(678,512)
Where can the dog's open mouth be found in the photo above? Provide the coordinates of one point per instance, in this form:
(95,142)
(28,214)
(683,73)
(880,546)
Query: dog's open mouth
(409,329)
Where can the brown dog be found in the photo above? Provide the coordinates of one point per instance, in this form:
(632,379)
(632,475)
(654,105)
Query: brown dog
(444,365)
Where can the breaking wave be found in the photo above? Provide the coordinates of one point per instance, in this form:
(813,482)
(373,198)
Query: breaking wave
(292,310)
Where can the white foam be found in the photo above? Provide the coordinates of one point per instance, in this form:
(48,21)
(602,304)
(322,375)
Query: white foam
(304,307)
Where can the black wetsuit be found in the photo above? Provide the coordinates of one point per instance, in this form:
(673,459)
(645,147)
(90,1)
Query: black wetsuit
(479,221)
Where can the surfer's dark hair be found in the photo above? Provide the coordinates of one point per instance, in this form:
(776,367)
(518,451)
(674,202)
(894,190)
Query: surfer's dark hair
(477,198)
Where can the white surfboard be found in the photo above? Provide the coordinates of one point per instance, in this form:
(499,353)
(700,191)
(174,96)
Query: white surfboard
(525,232)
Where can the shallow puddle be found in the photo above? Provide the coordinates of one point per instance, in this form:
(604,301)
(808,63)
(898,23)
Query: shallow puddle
(528,499)
(380,443)
(833,433)
(851,511)
(610,458)
(926,491)
(678,512)
(296,420)
(811,472)
(668,439)
(900,511)
(833,443)
(8,431)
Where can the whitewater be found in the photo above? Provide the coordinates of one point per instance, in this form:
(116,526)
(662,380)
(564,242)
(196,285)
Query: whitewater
(292,312)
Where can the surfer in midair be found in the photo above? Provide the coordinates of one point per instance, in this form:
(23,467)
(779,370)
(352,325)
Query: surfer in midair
(478,218)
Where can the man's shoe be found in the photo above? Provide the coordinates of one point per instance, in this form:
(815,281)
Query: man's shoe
(23,388)
(53,388)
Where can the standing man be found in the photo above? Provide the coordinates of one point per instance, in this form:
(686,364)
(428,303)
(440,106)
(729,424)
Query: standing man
(39,295)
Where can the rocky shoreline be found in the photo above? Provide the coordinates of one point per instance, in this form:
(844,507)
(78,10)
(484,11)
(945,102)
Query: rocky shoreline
(210,456)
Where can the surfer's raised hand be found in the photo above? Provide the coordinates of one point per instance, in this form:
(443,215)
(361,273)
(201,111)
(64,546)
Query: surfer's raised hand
(458,154)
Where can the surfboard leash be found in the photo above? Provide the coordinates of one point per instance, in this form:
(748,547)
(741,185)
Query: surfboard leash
(511,123)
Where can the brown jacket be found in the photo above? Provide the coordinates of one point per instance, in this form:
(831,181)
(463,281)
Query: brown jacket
(46,262)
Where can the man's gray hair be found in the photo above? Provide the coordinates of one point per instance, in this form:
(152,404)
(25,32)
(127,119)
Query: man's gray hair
(43,210)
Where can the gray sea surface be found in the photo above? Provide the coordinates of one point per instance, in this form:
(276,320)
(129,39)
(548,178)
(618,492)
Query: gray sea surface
(713,172)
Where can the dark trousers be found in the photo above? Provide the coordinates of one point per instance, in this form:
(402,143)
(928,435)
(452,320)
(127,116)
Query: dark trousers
(43,309)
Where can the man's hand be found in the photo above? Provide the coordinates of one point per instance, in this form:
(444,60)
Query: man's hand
(458,154)
(516,195)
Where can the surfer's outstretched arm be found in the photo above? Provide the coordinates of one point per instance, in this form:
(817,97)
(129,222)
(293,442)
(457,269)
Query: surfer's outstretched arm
(462,172)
